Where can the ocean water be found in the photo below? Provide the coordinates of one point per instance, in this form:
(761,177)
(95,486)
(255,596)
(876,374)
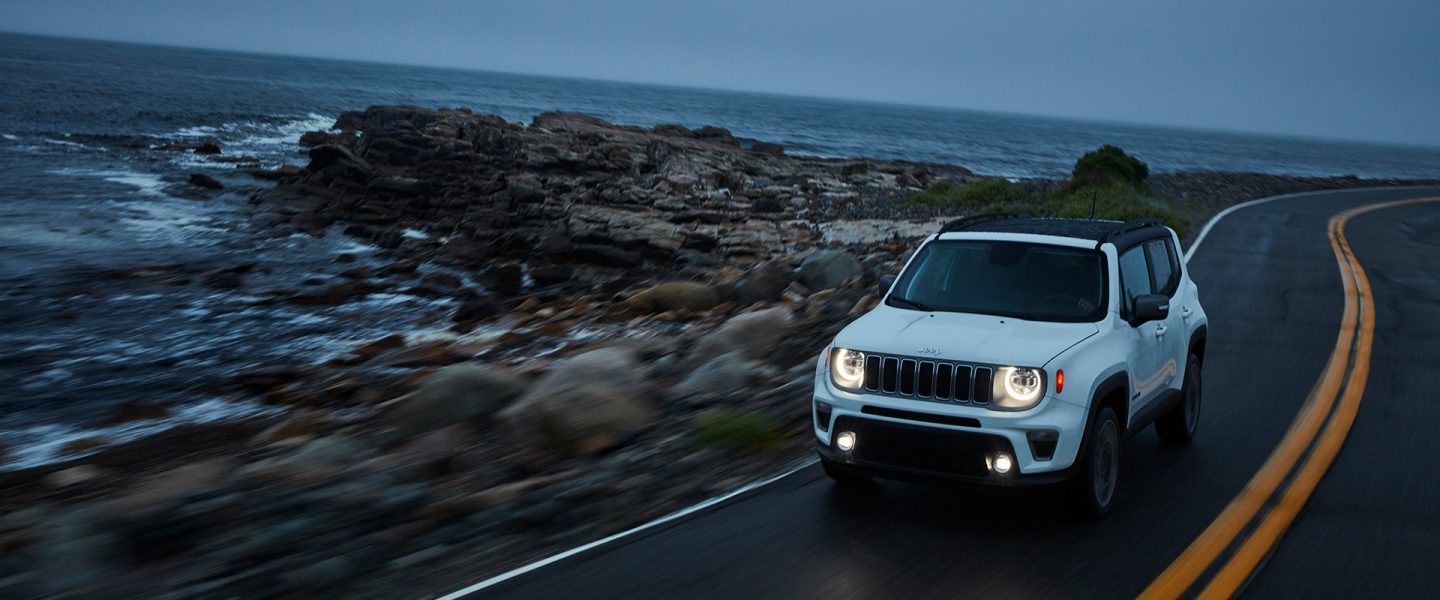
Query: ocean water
(85,191)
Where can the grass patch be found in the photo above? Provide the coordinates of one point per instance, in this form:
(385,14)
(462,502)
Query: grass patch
(1113,180)
(973,195)
(1115,201)
(746,432)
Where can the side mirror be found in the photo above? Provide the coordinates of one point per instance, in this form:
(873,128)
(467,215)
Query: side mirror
(886,282)
(1150,307)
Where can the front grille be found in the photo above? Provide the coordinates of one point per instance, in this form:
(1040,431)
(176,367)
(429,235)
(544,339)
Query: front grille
(942,381)
(883,443)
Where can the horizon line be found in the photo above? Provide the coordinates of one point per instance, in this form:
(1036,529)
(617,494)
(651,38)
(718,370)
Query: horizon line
(690,87)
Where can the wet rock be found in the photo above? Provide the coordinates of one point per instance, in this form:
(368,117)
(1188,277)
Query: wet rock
(137,410)
(264,379)
(767,148)
(476,309)
(552,274)
(316,138)
(505,280)
(828,269)
(675,295)
(456,394)
(227,278)
(208,148)
(587,402)
(205,181)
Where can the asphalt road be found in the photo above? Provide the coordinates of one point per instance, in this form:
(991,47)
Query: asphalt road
(1269,280)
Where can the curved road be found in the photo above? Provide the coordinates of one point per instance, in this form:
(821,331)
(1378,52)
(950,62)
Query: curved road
(1269,279)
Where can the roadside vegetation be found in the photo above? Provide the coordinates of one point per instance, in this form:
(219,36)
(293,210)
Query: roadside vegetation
(1107,181)
(747,432)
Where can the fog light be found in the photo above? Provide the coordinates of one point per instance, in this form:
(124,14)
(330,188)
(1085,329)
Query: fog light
(1002,463)
(845,441)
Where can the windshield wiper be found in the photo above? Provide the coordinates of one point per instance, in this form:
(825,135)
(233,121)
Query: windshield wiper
(910,303)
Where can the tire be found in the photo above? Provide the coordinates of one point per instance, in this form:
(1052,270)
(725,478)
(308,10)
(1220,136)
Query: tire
(1099,475)
(843,475)
(1178,426)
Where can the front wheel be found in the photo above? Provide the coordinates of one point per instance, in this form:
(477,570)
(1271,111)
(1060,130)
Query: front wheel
(1179,424)
(1100,470)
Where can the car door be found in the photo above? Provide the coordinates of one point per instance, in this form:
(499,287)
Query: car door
(1165,279)
(1145,355)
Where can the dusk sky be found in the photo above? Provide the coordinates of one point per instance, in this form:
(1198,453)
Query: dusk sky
(1352,69)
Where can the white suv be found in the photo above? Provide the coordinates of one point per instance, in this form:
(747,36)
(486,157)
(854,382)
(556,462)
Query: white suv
(1015,350)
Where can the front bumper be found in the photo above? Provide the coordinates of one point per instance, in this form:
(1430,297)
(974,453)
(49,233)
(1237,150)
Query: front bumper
(927,454)
(917,438)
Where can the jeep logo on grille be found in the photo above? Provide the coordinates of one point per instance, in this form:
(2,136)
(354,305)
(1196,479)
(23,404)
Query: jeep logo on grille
(929,350)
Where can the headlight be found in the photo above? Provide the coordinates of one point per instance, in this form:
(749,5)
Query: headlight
(847,368)
(1018,388)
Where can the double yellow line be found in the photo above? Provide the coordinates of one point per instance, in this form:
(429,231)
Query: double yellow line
(1320,428)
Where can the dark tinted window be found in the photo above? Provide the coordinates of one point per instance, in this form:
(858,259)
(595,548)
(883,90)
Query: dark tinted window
(1164,268)
(1134,277)
(1029,281)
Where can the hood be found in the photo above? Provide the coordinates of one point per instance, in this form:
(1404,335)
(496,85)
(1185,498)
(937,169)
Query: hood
(961,337)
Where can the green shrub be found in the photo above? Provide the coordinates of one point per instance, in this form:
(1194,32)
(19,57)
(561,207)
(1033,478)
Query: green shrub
(1117,202)
(747,432)
(973,195)
(1108,165)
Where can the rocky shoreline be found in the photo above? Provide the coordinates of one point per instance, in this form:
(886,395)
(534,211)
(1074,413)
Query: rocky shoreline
(632,327)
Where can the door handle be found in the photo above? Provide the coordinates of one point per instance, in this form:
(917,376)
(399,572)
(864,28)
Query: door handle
(1185,312)
(1160,332)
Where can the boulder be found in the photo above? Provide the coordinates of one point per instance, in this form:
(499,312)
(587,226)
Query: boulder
(456,394)
(590,401)
(717,377)
(476,309)
(205,181)
(675,295)
(764,283)
(828,269)
(753,334)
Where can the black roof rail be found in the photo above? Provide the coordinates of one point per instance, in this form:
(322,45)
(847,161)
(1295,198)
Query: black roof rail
(1129,226)
(972,220)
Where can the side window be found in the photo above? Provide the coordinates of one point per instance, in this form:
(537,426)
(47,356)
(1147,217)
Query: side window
(1134,277)
(1164,270)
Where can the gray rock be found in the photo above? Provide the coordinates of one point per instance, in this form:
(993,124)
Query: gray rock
(764,283)
(205,181)
(718,377)
(753,334)
(587,402)
(457,394)
(828,269)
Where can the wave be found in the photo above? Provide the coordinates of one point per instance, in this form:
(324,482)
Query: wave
(36,445)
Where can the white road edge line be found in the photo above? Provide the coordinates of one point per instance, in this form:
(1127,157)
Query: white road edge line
(518,571)
(602,541)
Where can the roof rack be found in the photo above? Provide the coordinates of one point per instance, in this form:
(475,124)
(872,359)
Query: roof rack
(1129,226)
(963,223)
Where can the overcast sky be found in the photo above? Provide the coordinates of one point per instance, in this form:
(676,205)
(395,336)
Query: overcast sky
(1357,69)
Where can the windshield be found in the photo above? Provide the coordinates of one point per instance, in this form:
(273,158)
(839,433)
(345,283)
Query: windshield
(1037,282)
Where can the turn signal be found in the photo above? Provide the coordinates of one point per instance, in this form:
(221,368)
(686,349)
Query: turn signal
(1060,381)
